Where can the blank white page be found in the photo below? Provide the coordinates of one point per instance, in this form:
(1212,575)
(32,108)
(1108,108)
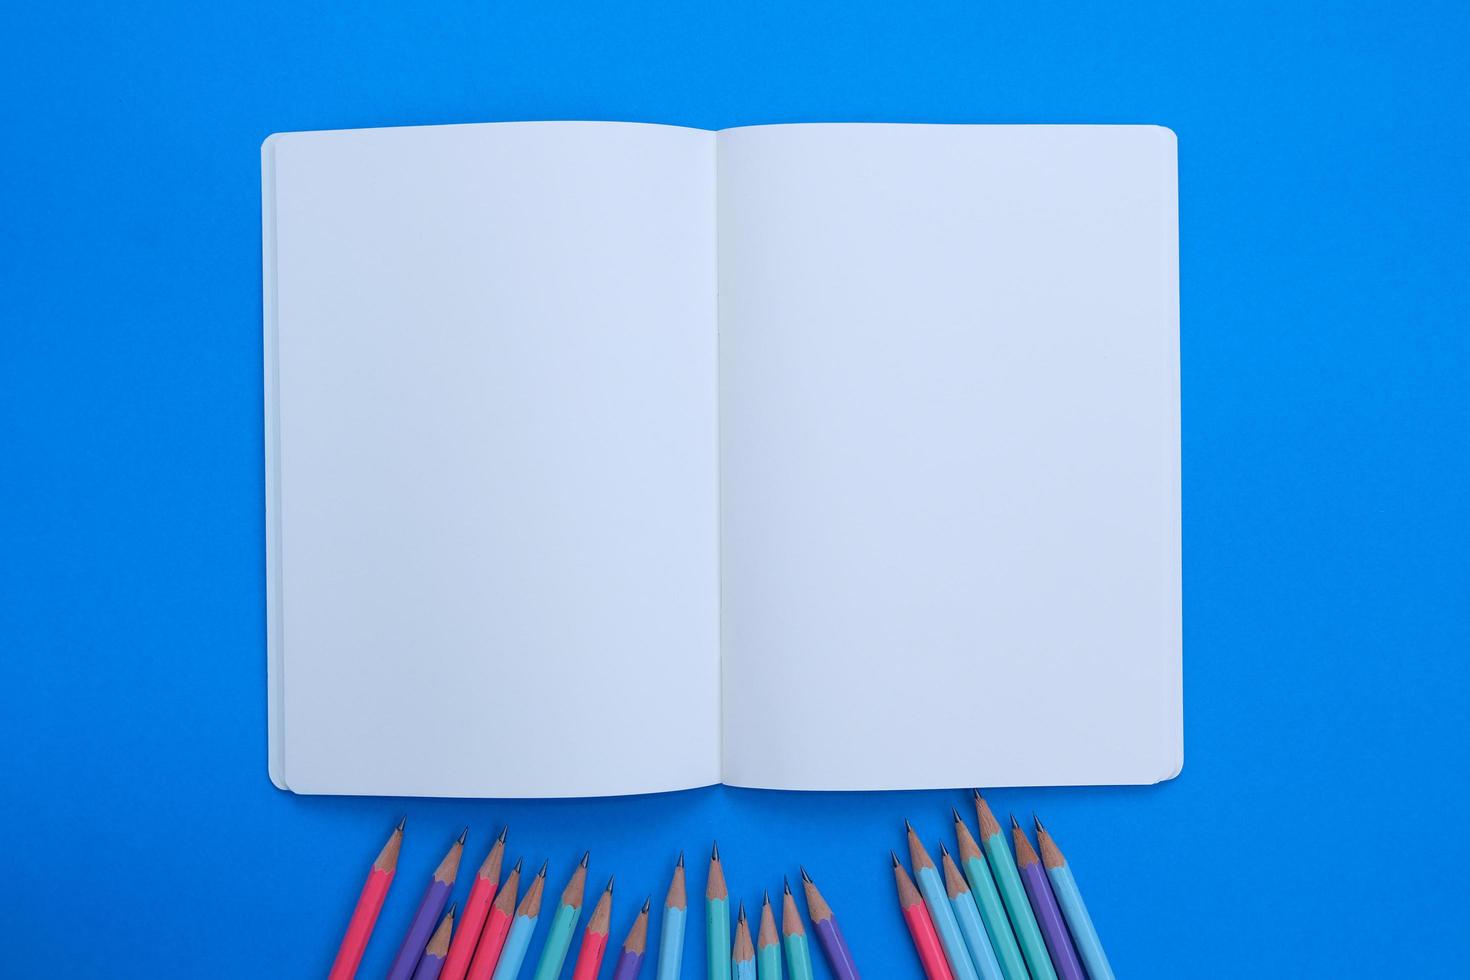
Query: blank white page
(949,456)
(492,473)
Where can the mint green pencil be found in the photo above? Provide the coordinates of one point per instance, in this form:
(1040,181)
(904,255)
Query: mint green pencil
(798,952)
(1013,893)
(992,912)
(768,943)
(563,925)
(1074,910)
(717,919)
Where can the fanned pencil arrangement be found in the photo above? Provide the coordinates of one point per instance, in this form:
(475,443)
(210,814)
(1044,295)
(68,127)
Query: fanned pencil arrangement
(1011,915)
(990,911)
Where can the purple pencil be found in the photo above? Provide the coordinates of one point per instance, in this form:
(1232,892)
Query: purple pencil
(432,962)
(829,933)
(630,964)
(1044,904)
(436,896)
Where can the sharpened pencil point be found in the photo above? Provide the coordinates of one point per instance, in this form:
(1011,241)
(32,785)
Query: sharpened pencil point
(401,821)
(586,855)
(1039,828)
(542,872)
(786,884)
(766,898)
(908,826)
(518,864)
(895,858)
(1014,824)
(956,811)
(503,831)
(714,852)
(741,916)
(944,851)
(646,903)
(610,881)
(804,876)
(463,834)
(680,863)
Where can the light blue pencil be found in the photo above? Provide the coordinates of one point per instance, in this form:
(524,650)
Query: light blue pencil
(967,913)
(742,952)
(1074,910)
(927,877)
(513,954)
(671,934)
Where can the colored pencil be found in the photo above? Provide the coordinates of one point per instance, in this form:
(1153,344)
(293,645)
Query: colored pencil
(436,896)
(476,909)
(630,964)
(513,953)
(793,937)
(1048,914)
(768,943)
(985,895)
(594,938)
(717,919)
(431,964)
(369,904)
(1013,893)
(945,924)
(921,927)
(742,950)
(1069,896)
(497,927)
(671,936)
(967,914)
(563,925)
(829,933)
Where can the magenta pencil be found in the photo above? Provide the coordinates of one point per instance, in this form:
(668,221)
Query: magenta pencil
(1044,904)
(829,933)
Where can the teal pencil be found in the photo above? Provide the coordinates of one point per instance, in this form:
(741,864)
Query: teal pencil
(926,875)
(563,925)
(967,914)
(1074,910)
(1013,893)
(513,954)
(983,891)
(798,952)
(768,943)
(671,935)
(717,918)
(742,954)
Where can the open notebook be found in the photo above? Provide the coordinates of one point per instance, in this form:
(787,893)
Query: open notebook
(611,458)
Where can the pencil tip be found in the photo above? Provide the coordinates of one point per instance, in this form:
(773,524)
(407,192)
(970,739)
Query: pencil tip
(977,795)
(944,851)
(1015,825)
(1039,828)
(646,903)
(401,821)
(518,864)
(452,907)
(804,876)
(956,811)
(741,916)
(462,835)
(766,897)
(542,872)
(610,881)
(895,858)
(714,851)
(786,884)
(585,856)
(680,863)
(503,831)
(908,826)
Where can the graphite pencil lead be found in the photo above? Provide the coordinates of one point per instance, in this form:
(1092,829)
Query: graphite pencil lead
(463,834)
(585,856)
(740,916)
(896,862)
(956,811)
(503,831)
(518,864)
(680,863)
(1037,820)
(610,881)
(943,851)
(402,820)
(804,876)
(786,883)
(714,852)
(1015,825)
(542,872)
(908,826)
(646,903)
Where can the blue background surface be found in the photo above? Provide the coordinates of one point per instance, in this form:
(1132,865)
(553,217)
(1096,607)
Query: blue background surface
(1323,152)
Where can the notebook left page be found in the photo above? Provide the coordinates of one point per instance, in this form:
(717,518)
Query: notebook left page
(492,498)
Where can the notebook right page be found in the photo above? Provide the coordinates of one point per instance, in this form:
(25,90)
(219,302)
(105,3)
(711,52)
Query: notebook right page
(949,456)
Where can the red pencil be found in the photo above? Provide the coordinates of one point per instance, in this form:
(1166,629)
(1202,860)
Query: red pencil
(497,927)
(594,939)
(926,940)
(369,904)
(476,908)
